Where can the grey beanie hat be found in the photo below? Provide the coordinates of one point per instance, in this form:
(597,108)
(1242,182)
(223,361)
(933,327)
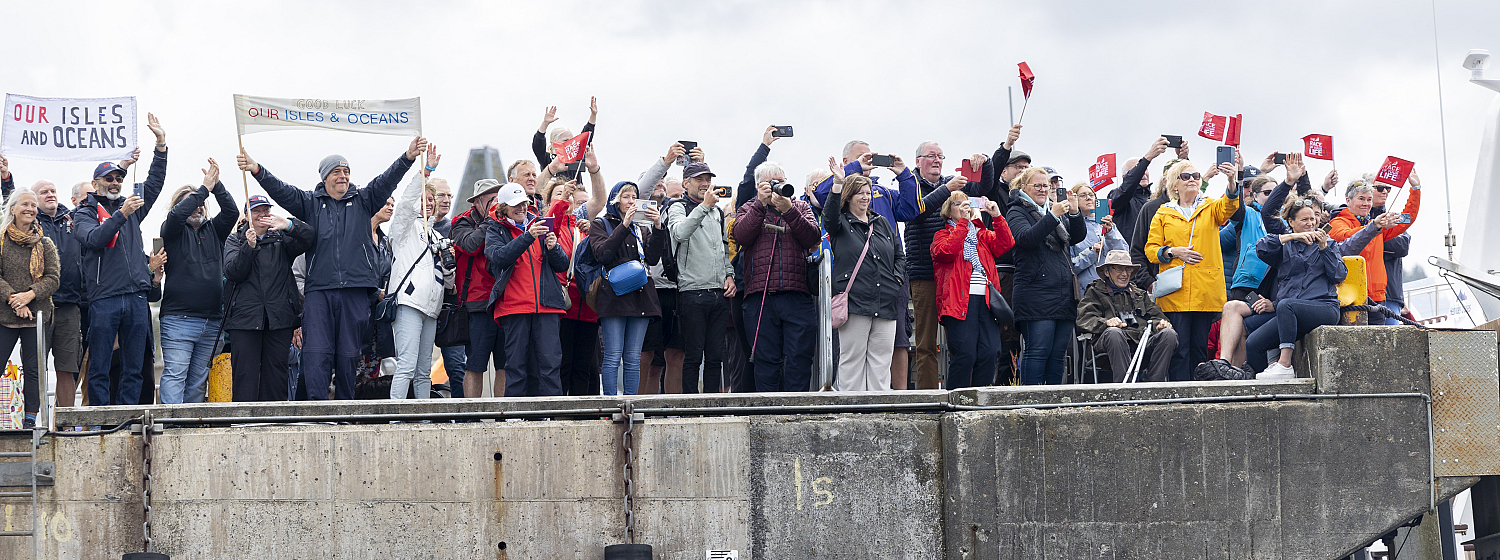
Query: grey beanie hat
(326,166)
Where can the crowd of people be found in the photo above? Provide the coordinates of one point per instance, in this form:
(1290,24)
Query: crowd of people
(669,283)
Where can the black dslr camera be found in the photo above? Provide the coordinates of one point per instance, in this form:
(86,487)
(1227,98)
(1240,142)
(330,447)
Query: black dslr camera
(783,188)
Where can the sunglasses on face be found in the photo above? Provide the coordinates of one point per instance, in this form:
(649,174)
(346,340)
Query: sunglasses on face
(1190,176)
(1305,203)
(112,178)
(1383,188)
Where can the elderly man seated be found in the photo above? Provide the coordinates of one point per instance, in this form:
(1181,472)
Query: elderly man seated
(1116,312)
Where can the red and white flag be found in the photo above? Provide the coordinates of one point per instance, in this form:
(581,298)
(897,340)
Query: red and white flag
(1213,127)
(1027,79)
(1232,130)
(1394,171)
(571,150)
(1102,172)
(1318,146)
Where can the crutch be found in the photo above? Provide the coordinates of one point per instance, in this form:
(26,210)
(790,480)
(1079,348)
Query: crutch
(1140,355)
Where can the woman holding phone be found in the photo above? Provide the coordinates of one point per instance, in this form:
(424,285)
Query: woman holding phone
(1101,238)
(618,239)
(528,299)
(1184,234)
(1045,225)
(963,262)
(1309,267)
(868,263)
(417,280)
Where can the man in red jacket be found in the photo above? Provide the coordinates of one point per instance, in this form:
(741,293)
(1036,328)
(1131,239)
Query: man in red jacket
(775,234)
(475,282)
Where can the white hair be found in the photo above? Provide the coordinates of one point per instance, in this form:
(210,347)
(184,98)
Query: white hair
(817,176)
(849,148)
(558,134)
(923,147)
(10,205)
(78,190)
(767,170)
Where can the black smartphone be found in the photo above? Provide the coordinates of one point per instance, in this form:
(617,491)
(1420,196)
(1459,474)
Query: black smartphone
(1279,158)
(1251,298)
(1404,218)
(1060,194)
(1173,141)
(156,245)
(572,170)
(782,132)
(721,192)
(883,161)
(687,145)
(1226,155)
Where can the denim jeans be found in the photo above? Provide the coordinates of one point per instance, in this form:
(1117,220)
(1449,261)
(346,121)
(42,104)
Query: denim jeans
(414,333)
(1395,308)
(453,361)
(127,317)
(187,346)
(1047,342)
(622,338)
(1291,321)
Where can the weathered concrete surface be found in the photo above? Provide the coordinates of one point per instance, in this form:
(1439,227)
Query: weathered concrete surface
(1365,359)
(1028,395)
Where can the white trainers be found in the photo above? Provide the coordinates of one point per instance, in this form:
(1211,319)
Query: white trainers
(1277,371)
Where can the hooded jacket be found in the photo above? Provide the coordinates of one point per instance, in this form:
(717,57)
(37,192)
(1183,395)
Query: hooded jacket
(113,260)
(875,292)
(262,292)
(1202,283)
(195,257)
(616,247)
(1346,224)
(1044,272)
(343,255)
(525,270)
(411,240)
(59,229)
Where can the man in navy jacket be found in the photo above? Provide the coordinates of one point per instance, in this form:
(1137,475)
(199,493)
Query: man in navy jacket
(108,226)
(341,267)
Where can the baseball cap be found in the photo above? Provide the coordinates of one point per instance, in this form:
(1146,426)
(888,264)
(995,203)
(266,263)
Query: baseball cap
(259,200)
(106,168)
(695,169)
(1051,173)
(512,194)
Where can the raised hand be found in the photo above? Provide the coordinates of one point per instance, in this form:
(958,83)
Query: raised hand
(1182,151)
(161,133)
(245,163)
(1012,136)
(131,205)
(836,169)
(674,152)
(4,167)
(211,175)
(1330,181)
(590,162)
(593,109)
(1157,148)
(417,146)
(768,137)
(433,156)
(976,162)
(1294,168)
(547,119)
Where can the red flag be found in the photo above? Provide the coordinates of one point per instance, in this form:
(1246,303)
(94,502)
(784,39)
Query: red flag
(571,150)
(1394,171)
(1318,146)
(1232,130)
(1213,127)
(1102,172)
(1027,79)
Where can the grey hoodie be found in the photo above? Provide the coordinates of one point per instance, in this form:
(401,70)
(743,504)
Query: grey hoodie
(698,242)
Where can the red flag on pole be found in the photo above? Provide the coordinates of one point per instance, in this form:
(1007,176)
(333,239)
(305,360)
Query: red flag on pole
(1213,127)
(1232,130)
(1027,79)
(1394,171)
(571,150)
(1102,172)
(1318,146)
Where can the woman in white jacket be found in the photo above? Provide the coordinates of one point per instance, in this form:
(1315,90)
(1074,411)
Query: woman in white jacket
(419,293)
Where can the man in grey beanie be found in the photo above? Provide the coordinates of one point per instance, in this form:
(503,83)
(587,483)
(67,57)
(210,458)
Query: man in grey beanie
(342,281)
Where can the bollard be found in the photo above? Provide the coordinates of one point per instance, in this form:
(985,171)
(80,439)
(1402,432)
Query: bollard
(611,552)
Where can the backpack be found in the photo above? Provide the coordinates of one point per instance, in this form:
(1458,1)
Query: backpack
(1219,369)
(587,268)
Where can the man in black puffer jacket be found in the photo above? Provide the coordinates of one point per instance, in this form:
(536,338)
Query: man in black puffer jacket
(192,303)
(108,226)
(342,273)
(264,306)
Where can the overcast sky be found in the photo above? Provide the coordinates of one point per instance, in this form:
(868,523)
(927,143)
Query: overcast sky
(1111,76)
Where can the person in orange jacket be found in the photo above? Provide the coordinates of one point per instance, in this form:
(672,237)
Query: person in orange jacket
(1357,215)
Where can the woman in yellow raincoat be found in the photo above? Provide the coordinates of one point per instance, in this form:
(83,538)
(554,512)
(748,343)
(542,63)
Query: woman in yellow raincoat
(1185,234)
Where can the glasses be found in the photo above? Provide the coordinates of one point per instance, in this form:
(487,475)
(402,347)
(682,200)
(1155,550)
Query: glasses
(1039,185)
(1190,176)
(1383,188)
(1020,166)
(938,157)
(112,178)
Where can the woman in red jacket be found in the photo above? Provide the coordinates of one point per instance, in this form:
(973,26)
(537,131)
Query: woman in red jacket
(963,258)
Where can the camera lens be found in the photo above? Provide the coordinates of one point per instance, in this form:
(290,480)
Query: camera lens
(783,188)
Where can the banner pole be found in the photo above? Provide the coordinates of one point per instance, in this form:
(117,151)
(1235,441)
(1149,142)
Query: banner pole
(1023,109)
(244,177)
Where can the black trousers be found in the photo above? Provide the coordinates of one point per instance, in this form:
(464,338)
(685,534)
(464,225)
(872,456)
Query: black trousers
(533,352)
(32,392)
(260,363)
(782,338)
(703,316)
(580,364)
(1192,342)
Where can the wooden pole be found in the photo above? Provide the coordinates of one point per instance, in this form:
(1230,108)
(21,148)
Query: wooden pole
(1023,109)
(244,178)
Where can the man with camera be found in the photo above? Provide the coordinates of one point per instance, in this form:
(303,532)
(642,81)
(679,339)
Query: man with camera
(705,279)
(775,233)
(1115,311)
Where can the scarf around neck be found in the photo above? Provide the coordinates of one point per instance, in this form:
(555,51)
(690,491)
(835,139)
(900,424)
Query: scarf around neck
(34,239)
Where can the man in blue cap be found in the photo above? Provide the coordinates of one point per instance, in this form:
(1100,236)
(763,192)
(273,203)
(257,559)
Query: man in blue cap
(341,275)
(107,224)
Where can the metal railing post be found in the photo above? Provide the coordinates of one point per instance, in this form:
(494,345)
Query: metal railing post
(45,387)
(825,322)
